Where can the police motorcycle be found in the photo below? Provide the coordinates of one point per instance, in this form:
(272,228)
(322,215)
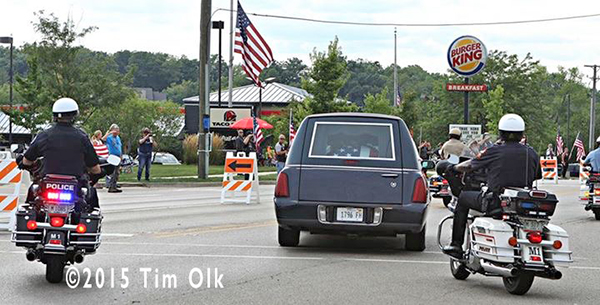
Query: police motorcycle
(56,225)
(514,241)
(592,190)
(439,188)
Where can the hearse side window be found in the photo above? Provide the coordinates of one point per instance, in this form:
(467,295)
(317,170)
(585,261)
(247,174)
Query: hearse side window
(345,140)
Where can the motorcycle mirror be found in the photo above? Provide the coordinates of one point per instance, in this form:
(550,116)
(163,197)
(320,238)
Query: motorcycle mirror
(113,160)
(454,159)
(427,164)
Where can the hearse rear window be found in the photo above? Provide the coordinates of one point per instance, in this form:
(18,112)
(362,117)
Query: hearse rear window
(345,140)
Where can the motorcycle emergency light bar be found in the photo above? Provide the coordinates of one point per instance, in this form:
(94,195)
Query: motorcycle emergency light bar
(59,196)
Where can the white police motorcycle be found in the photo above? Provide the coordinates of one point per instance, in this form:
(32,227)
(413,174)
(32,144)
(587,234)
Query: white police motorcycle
(515,241)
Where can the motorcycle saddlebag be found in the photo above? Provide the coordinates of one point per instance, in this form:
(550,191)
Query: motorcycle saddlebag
(22,236)
(490,239)
(90,240)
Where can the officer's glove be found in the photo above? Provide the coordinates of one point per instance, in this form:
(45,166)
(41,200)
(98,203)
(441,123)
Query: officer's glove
(20,163)
(95,177)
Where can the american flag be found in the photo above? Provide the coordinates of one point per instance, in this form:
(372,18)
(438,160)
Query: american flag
(580,148)
(258,136)
(292,129)
(559,144)
(398,98)
(256,53)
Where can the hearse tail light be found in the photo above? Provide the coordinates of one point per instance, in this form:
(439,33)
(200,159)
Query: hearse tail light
(282,188)
(420,191)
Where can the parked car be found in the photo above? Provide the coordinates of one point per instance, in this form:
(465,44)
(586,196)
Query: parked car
(165,159)
(351,173)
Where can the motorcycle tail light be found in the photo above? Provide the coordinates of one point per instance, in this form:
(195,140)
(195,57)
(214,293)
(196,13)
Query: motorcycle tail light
(445,181)
(55,241)
(31,225)
(81,228)
(557,244)
(535,237)
(57,221)
(597,192)
(512,241)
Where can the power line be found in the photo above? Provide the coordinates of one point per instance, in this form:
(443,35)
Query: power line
(416,24)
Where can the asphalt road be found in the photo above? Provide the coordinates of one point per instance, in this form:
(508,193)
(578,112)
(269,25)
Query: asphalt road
(173,231)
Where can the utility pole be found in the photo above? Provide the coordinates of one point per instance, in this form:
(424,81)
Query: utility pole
(203,100)
(231,42)
(395,97)
(593,106)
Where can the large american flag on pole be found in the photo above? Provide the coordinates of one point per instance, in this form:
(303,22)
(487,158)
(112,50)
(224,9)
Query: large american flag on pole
(559,144)
(580,148)
(258,136)
(256,53)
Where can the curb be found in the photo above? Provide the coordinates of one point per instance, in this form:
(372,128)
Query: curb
(181,184)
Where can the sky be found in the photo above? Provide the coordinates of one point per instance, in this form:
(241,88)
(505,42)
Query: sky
(173,27)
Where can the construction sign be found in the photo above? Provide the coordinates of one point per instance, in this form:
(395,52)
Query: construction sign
(10,177)
(240,176)
(239,165)
(549,169)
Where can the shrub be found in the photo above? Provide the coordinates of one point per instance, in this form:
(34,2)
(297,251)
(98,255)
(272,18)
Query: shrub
(217,154)
(190,149)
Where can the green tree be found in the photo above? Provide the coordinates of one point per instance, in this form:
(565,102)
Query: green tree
(325,78)
(495,108)
(59,68)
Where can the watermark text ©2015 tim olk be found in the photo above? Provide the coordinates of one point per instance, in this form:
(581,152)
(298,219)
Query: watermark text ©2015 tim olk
(150,278)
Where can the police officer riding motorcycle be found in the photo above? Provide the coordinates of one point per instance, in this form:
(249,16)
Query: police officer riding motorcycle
(453,146)
(504,166)
(60,221)
(592,165)
(512,237)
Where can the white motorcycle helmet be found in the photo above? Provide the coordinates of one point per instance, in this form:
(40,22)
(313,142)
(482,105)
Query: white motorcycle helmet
(512,123)
(511,127)
(598,140)
(65,108)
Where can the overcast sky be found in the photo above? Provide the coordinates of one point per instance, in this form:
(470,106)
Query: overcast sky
(173,27)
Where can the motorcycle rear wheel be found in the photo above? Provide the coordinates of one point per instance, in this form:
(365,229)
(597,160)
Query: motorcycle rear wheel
(518,285)
(55,267)
(459,270)
(597,214)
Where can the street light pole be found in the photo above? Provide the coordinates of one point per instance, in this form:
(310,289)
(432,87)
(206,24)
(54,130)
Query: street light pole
(593,106)
(219,25)
(9,40)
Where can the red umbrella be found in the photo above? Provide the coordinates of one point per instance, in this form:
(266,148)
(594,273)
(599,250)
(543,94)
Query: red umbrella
(247,123)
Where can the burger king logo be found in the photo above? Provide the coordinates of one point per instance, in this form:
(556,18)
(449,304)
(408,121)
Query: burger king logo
(467,56)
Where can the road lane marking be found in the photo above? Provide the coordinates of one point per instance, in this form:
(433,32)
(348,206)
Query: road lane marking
(212,229)
(289,258)
(118,234)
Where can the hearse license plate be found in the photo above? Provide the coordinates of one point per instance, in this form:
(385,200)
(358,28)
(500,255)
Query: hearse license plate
(350,214)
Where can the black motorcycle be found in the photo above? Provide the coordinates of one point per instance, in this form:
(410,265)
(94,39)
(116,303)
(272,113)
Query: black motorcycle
(57,225)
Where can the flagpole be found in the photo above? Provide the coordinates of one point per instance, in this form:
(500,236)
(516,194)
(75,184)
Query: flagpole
(571,152)
(395,74)
(231,42)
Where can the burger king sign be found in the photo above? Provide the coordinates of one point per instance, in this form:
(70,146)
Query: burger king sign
(467,56)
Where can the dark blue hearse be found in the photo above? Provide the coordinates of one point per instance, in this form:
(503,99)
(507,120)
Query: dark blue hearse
(352,173)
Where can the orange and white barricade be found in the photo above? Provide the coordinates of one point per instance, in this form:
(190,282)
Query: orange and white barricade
(583,175)
(549,169)
(10,177)
(240,166)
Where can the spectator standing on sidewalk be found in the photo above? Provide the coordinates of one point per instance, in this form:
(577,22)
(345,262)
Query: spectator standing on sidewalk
(99,146)
(113,142)
(147,143)
(281,151)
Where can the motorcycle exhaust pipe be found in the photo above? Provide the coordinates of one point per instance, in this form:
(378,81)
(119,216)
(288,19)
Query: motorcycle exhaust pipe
(78,257)
(551,275)
(506,272)
(30,255)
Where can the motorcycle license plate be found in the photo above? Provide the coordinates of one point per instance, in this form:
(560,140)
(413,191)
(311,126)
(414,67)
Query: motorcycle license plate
(533,255)
(350,214)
